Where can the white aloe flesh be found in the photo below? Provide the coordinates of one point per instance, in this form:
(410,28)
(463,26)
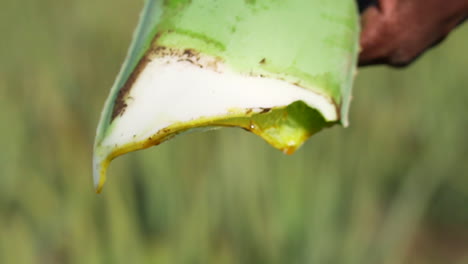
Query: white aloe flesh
(280,69)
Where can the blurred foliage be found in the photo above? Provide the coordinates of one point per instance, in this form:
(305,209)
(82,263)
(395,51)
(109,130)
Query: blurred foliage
(391,188)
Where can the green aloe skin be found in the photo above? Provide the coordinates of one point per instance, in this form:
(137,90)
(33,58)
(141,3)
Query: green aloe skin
(299,45)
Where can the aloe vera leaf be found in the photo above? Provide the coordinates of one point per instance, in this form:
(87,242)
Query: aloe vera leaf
(280,69)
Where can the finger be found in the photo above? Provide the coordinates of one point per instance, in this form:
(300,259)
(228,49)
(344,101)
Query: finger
(373,37)
(396,32)
(389,35)
(364,4)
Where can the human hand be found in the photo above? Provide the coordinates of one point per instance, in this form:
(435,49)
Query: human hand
(396,32)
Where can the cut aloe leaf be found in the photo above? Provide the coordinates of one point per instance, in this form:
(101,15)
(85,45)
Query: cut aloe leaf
(280,69)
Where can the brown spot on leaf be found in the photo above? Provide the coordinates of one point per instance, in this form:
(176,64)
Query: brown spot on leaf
(189,52)
(157,51)
(265,110)
(187,55)
(263,61)
(120,101)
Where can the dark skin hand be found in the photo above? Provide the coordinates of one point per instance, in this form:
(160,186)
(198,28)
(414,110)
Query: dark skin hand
(396,32)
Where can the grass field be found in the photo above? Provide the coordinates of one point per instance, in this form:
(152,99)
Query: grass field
(391,188)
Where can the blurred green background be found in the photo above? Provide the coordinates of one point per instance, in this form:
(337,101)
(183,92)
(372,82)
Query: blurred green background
(391,188)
